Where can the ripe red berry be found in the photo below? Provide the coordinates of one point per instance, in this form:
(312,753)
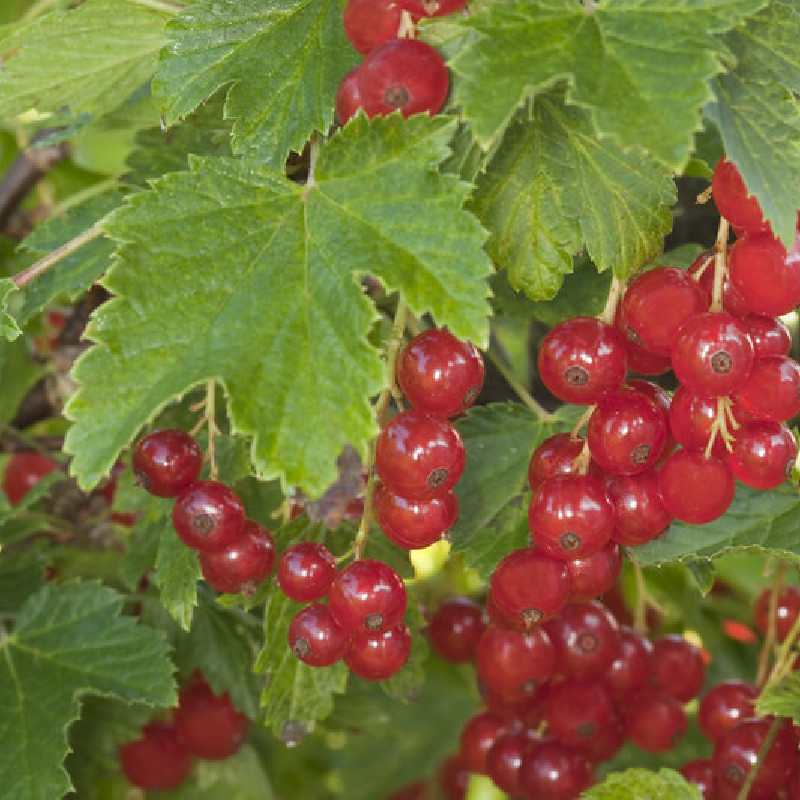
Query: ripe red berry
(570,516)
(478,736)
(368,23)
(678,667)
(504,760)
(414,524)
(455,629)
(378,657)
(700,772)
(405,75)
(158,761)
(640,513)
(769,335)
(732,300)
(733,200)
(724,706)
(208,516)
(514,663)
(654,720)
(454,778)
(631,668)
(419,456)
(694,488)
(772,391)
(786,610)
(315,637)
(209,724)
(640,359)
(24,470)
(763,454)
(581,359)
(594,575)
(432,8)
(579,712)
(439,373)
(554,456)
(367,596)
(690,419)
(306,571)
(348,96)
(243,565)
(554,771)
(167,462)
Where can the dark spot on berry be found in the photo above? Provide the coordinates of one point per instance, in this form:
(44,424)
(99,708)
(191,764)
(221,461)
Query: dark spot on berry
(585,730)
(640,454)
(576,376)
(203,524)
(787,470)
(396,96)
(570,541)
(301,648)
(634,337)
(528,687)
(437,477)
(734,773)
(530,616)
(373,622)
(142,480)
(587,642)
(470,396)
(721,362)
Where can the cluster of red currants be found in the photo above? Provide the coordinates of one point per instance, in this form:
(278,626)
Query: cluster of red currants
(398,73)
(203,725)
(236,553)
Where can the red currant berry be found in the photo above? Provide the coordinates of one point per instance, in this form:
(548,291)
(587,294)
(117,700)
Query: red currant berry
(414,524)
(405,75)
(786,610)
(570,516)
(678,667)
(315,637)
(368,23)
(690,419)
(419,456)
(732,300)
(772,391)
(454,778)
(700,772)
(654,720)
(581,359)
(413,791)
(439,373)
(504,760)
(455,629)
(696,489)
(478,736)
(631,668)
(158,761)
(242,566)
(529,586)
(763,454)
(769,335)
(24,470)
(348,96)
(640,514)
(579,712)
(306,571)
(554,456)
(733,200)
(432,8)
(514,663)
(522,708)
(208,517)
(724,706)
(554,771)
(655,306)
(167,462)
(793,787)
(767,277)
(640,359)
(209,725)
(594,575)
(378,657)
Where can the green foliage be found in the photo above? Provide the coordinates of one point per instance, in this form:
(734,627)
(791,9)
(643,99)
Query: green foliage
(639,784)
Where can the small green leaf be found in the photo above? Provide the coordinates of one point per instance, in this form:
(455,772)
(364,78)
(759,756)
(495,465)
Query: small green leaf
(21,574)
(177,572)
(782,699)
(640,784)
(8,325)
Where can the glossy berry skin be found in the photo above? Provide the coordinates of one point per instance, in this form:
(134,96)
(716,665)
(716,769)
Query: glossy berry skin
(378,657)
(696,489)
(626,433)
(504,760)
(570,516)
(478,736)
(367,596)
(167,462)
(678,667)
(733,200)
(700,772)
(368,23)
(594,575)
(736,753)
(690,419)
(772,392)
(586,640)
(439,373)
(24,470)
(209,725)
(414,524)
(763,454)
(554,771)
(786,610)
(158,761)
(432,8)
(769,335)
(242,566)
(640,359)
(732,300)
(713,354)
(724,706)
(578,712)
(208,517)
(793,786)
(454,778)
(514,663)
(657,304)
(581,359)
(455,629)
(306,571)
(403,74)
(767,277)
(654,720)
(315,637)
(419,456)
(348,96)
(630,670)
(640,514)
(554,456)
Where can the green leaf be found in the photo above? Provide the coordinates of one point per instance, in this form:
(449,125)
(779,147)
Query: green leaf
(406,684)
(70,640)
(553,186)
(782,699)
(703,575)
(756,110)
(18,373)
(90,59)
(640,784)
(278,268)
(621,59)
(21,574)
(177,572)
(8,325)
(281,63)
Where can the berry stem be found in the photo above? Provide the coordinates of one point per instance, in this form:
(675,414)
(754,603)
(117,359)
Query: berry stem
(769,639)
(59,254)
(614,293)
(581,462)
(209,416)
(784,661)
(405,30)
(640,609)
(516,385)
(582,421)
(719,426)
(720,268)
(762,754)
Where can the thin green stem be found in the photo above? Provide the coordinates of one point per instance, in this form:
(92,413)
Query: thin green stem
(640,609)
(614,294)
(762,754)
(59,254)
(521,392)
(769,639)
(31,443)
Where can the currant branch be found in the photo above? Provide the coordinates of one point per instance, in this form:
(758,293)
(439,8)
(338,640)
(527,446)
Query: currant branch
(769,639)
(614,294)
(720,264)
(511,379)
(59,254)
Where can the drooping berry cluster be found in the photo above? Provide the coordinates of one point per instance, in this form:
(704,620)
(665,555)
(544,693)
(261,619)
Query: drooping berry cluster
(204,725)
(399,72)
(236,553)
